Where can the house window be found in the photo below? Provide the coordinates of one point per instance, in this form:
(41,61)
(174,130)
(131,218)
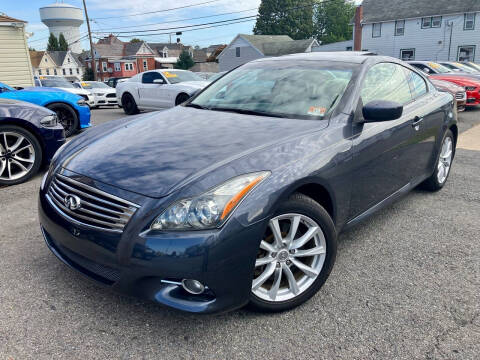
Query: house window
(128,66)
(68,60)
(349,48)
(237,51)
(104,66)
(399,27)
(78,71)
(407,54)
(165,52)
(466,53)
(376,30)
(48,71)
(431,22)
(145,65)
(64,72)
(71,71)
(46,60)
(39,72)
(55,71)
(117,66)
(469,21)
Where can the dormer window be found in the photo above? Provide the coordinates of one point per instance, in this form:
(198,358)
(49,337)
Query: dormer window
(165,52)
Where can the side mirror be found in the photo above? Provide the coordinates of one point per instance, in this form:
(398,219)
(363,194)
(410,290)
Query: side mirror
(381,110)
(158,81)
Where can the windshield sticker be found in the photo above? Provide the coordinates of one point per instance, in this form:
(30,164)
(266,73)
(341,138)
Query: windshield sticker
(433,65)
(317,111)
(169,74)
(83,84)
(42,77)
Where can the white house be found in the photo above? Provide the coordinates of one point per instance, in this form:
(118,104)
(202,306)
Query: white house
(443,30)
(245,48)
(61,63)
(15,69)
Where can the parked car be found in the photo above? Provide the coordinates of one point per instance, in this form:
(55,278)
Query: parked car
(102,93)
(458,92)
(113,82)
(236,198)
(459,67)
(158,89)
(434,68)
(471,86)
(61,83)
(72,111)
(472,65)
(29,136)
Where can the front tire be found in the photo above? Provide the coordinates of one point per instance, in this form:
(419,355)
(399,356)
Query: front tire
(443,164)
(295,257)
(20,155)
(67,117)
(129,105)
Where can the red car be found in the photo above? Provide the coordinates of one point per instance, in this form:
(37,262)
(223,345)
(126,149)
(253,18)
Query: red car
(471,86)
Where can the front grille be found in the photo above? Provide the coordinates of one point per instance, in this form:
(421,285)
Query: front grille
(98,209)
(85,97)
(111,95)
(460,95)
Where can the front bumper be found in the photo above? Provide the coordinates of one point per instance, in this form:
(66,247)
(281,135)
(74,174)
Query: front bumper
(144,264)
(473,98)
(83,116)
(104,100)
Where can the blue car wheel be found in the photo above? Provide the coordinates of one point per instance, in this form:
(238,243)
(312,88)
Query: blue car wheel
(67,117)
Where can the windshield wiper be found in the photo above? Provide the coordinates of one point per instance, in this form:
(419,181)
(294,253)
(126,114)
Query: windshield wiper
(247,112)
(196,106)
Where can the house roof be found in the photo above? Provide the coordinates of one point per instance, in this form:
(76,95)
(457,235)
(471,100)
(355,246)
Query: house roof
(199,56)
(259,40)
(286,47)
(384,10)
(160,46)
(132,48)
(5,18)
(36,57)
(57,56)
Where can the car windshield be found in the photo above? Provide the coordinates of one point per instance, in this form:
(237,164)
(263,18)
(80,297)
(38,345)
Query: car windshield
(5,88)
(175,77)
(306,90)
(465,68)
(94,85)
(439,68)
(56,82)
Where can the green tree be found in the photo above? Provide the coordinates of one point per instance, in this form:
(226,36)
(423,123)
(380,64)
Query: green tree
(285,17)
(88,75)
(185,61)
(135,40)
(52,43)
(62,43)
(332,20)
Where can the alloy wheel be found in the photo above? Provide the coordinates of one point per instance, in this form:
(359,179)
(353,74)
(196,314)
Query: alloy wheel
(290,258)
(445,160)
(17,156)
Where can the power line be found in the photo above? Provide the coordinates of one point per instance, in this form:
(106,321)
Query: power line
(158,11)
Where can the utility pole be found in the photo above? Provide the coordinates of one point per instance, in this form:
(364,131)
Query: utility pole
(92,53)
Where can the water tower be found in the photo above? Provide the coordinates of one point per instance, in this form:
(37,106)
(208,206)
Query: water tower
(66,19)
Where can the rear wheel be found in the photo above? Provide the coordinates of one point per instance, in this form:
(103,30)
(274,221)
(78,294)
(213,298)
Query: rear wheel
(181,98)
(20,155)
(443,164)
(67,117)
(129,105)
(295,256)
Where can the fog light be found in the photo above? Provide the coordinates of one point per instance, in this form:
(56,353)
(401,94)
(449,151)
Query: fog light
(193,286)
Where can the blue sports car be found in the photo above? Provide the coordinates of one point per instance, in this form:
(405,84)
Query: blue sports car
(72,110)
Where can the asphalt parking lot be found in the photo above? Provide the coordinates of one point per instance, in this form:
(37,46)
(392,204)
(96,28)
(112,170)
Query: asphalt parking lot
(406,285)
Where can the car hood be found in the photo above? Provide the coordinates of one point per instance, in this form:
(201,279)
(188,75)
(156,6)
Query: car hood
(77,91)
(102,91)
(154,153)
(194,84)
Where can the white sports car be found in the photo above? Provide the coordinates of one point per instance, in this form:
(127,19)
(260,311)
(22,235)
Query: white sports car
(61,83)
(158,89)
(103,94)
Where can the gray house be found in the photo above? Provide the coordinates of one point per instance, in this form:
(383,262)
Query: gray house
(443,30)
(245,48)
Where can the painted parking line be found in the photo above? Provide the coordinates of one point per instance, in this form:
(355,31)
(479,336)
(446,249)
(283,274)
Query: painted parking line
(470,139)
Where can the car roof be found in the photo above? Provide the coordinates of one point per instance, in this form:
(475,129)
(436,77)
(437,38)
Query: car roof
(356,57)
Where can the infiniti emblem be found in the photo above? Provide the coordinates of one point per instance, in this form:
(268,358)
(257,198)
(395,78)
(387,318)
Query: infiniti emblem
(72,202)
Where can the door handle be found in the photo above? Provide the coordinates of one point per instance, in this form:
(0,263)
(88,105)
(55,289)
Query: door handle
(416,121)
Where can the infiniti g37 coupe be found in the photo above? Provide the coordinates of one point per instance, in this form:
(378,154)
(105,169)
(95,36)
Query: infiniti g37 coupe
(237,196)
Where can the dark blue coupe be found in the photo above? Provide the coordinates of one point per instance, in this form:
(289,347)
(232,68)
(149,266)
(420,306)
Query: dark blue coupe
(29,136)
(237,196)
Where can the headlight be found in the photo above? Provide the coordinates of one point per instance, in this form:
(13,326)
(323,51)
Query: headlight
(211,209)
(49,120)
(470,88)
(82,102)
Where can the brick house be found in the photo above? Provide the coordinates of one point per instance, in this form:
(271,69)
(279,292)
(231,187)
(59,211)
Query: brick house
(115,58)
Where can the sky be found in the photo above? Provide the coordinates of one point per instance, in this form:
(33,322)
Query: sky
(121,15)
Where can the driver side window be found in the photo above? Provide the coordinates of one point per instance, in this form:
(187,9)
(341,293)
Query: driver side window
(148,77)
(386,81)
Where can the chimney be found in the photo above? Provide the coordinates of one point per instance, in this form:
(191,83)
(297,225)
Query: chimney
(357,35)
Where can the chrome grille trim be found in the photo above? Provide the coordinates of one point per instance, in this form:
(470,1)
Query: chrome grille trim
(99,210)
(460,95)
